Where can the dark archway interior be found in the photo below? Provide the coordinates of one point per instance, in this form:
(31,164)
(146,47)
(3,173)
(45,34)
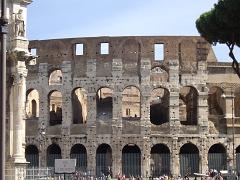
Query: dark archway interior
(79,152)
(54,149)
(160,148)
(104,102)
(31,149)
(76,109)
(159,106)
(217,148)
(189,149)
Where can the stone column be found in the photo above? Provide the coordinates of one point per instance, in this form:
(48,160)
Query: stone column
(146,156)
(145,97)
(91,158)
(116,157)
(175,165)
(202,98)
(203,156)
(19,95)
(66,98)
(43,97)
(117,98)
(174,97)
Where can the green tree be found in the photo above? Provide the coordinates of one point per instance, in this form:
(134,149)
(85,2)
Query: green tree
(222,25)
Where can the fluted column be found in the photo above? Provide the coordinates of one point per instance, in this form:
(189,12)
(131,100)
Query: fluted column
(19,95)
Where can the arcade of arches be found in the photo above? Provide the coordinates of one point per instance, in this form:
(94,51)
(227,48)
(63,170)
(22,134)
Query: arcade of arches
(126,112)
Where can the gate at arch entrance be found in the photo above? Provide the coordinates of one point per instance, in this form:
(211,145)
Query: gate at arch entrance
(131,161)
(189,159)
(103,160)
(217,157)
(160,160)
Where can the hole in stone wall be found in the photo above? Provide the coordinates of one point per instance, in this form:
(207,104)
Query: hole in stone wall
(131,100)
(33,51)
(79,106)
(79,49)
(55,77)
(104,48)
(104,103)
(159,106)
(158,52)
(55,103)
(32,104)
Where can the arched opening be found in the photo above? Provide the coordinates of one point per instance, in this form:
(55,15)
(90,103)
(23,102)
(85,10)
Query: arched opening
(131,103)
(188,103)
(189,159)
(55,104)
(79,106)
(53,152)
(238,159)
(159,106)
(160,160)
(216,107)
(78,152)
(104,160)
(104,103)
(55,77)
(32,156)
(131,160)
(32,103)
(217,157)
(216,102)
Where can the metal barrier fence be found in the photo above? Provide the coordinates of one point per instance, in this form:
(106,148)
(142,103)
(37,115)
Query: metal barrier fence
(189,164)
(217,161)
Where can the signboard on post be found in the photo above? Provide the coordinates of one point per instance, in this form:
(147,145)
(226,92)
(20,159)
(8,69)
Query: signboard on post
(65,166)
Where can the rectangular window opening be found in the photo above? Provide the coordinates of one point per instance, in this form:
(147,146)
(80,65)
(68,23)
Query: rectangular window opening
(158,52)
(78,49)
(33,51)
(104,48)
(128,112)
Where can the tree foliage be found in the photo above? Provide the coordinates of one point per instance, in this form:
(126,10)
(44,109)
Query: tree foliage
(222,25)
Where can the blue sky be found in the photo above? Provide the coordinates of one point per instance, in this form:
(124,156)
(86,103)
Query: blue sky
(51,19)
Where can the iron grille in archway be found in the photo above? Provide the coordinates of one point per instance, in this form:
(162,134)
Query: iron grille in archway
(189,159)
(131,161)
(103,160)
(217,157)
(32,156)
(79,153)
(53,152)
(160,160)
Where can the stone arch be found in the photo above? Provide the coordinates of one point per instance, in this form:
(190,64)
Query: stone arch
(79,106)
(53,152)
(158,74)
(55,77)
(216,109)
(32,155)
(79,152)
(131,57)
(131,103)
(216,102)
(217,157)
(189,159)
(188,105)
(32,103)
(160,160)
(55,105)
(104,103)
(104,160)
(159,106)
(131,160)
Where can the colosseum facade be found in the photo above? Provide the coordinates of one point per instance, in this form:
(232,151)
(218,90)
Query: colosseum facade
(132,105)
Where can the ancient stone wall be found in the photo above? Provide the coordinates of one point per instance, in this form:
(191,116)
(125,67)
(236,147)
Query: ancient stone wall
(133,102)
